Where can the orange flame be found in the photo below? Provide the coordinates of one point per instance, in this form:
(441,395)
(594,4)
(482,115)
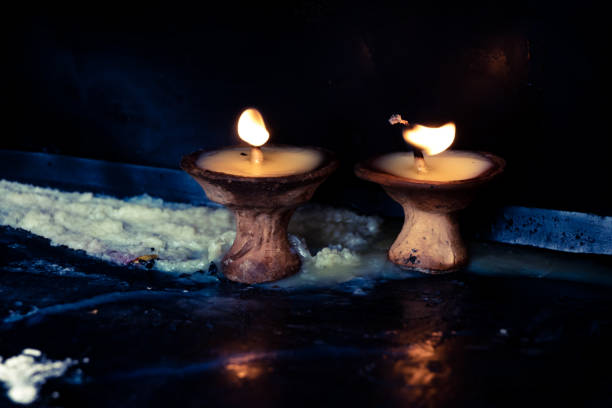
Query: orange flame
(251,128)
(431,140)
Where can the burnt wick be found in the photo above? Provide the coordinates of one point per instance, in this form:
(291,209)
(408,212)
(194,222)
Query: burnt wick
(395,119)
(419,160)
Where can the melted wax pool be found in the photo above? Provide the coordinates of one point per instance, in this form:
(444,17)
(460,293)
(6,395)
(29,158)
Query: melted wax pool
(336,245)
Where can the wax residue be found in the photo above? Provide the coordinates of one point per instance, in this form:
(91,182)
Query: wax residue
(278,161)
(451,165)
(24,374)
(336,245)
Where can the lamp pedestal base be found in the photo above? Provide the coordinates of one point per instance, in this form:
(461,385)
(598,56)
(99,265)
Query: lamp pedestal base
(263,207)
(430,240)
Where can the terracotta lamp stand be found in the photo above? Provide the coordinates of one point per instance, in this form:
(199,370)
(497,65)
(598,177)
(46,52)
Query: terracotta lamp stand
(263,207)
(429,241)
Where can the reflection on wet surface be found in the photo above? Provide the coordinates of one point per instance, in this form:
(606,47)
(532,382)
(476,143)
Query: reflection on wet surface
(430,341)
(243,370)
(420,364)
(248,366)
(422,369)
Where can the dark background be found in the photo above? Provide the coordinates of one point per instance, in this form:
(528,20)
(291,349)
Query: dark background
(526,81)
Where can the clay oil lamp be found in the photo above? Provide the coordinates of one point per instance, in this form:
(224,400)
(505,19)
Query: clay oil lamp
(432,184)
(262,186)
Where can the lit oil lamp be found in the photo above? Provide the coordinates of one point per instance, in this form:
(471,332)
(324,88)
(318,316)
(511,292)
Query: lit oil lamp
(432,184)
(262,186)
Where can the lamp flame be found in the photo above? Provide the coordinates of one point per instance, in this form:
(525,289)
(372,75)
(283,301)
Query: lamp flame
(251,128)
(429,139)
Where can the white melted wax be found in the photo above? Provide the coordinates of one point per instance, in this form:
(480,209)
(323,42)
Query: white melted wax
(336,245)
(24,374)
